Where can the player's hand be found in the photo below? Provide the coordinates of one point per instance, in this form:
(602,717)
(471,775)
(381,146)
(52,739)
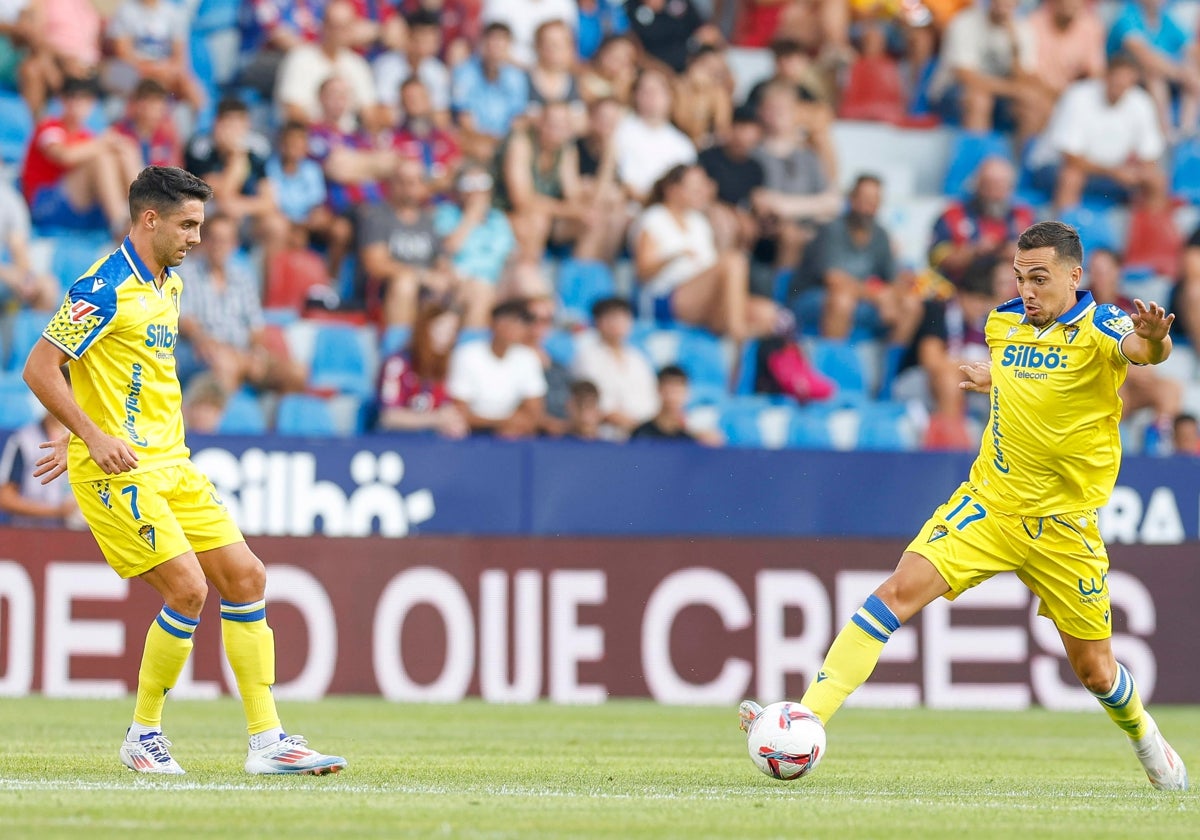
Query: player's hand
(1150,321)
(54,463)
(978,377)
(112,454)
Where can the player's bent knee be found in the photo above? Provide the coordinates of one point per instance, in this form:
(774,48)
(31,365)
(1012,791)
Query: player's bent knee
(1097,677)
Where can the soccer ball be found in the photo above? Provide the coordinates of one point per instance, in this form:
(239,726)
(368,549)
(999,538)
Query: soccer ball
(786,740)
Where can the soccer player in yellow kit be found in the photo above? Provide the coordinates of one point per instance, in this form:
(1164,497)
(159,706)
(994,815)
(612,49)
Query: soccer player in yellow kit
(153,514)
(1049,458)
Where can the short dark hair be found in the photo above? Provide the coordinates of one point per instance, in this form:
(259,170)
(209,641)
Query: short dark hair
(291,126)
(670,372)
(80,86)
(1060,236)
(584,389)
(150,89)
(513,308)
(977,278)
(866,178)
(605,306)
(787,46)
(1124,58)
(164,188)
(497,27)
(231,105)
(424,19)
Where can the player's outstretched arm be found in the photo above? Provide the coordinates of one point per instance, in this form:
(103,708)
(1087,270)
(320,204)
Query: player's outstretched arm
(978,377)
(1150,341)
(45,379)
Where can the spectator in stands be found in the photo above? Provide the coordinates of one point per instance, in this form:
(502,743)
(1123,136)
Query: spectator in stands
(670,423)
(377,27)
(538,186)
(478,239)
(233,161)
(399,249)
(27,502)
(1146,30)
(612,71)
(221,323)
(669,29)
(148,39)
(498,383)
(148,123)
(412,383)
(306,66)
(683,276)
(68,39)
(542,311)
(488,92)
(584,417)
(420,137)
(703,107)
(646,144)
(204,403)
(597,155)
(20,283)
(459,22)
(1104,140)
(1185,438)
(598,20)
(737,174)
(988,222)
(1068,38)
(552,77)
(799,180)
(27,63)
(272,28)
(422,49)
(756,21)
(984,77)
(626,382)
(1185,294)
(794,66)
(298,180)
(1145,386)
(849,275)
(74,179)
(523,17)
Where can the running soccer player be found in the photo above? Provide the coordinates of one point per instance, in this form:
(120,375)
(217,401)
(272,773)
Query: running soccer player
(1048,460)
(154,515)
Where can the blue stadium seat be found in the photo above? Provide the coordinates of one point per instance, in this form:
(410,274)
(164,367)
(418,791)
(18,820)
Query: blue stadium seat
(808,428)
(747,368)
(304,415)
(26,330)
(580,284)
(739,424)
(243,415)
(560,345)
(839,360)
(1185,170)
(702,356)
(967,151)
(16,403)
(340,361)
(881,428)
(1096,229)
(74,253)
(16,127)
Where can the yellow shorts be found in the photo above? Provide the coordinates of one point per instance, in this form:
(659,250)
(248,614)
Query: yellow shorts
(145,519)
(1062,558)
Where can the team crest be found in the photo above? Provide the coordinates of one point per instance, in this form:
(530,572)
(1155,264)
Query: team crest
(1012,331)
(175,300)
(1070,333)
(939,531)
(146,532)
(142,301)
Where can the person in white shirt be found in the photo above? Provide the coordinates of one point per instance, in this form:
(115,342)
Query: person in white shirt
(393,68)
(306,67)
(646,145)
(1104,138)
(626,382)
(523,17)
(498,384)
(683,276)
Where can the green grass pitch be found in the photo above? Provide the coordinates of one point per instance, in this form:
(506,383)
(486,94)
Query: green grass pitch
(624,770)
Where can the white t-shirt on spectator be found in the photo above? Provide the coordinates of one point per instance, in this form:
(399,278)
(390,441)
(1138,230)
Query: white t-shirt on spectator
(306,67)
(626,381)
(392,70)
(645,153)
(692,245)
(10,10)
(973,42)
(1085,124)
(493,388)
(523,17)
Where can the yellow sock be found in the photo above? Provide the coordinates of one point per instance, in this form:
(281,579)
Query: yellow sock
(168,645)
(250,648)
(851,658)
(1124,705)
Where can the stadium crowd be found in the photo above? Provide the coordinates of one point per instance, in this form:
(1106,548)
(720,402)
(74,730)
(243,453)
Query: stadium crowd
(602,219)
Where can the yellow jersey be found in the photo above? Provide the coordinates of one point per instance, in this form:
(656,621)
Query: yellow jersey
(119,328)
(1051,443)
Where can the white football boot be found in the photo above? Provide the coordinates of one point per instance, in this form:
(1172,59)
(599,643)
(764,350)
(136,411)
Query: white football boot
(1162,764)
(290,754)
(747,712)
(149,754)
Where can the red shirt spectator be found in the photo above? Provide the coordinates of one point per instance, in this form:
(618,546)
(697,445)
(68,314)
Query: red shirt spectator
(40,170)
(756,22)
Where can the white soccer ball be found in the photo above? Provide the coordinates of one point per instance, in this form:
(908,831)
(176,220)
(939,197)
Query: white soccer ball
(786,740)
